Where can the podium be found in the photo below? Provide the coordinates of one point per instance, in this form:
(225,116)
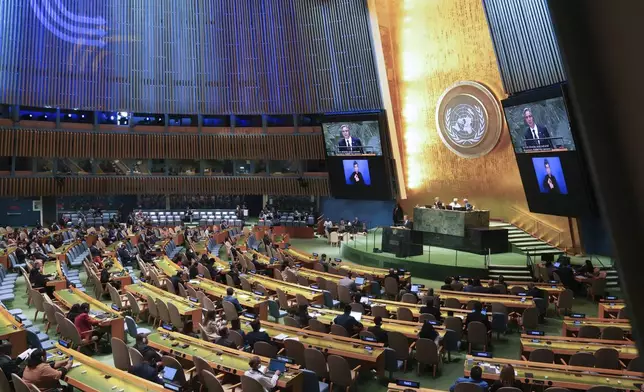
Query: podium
(467,231)
(402,242)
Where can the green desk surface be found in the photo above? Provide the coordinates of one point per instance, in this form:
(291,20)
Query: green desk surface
(572,347)
(289,288)
(51,268)
(510,301)
(8,323)
(409,329)
(351,349)
(71,297)
(219,290)
(145,290)
(558,374)
(573,324)
(166,265)
(237,363)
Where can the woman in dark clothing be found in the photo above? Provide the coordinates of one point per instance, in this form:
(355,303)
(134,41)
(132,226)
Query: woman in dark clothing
(506,379)
(427,331)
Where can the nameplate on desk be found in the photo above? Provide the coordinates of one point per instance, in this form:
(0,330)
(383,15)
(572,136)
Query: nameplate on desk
(337,260)
(168,327)
(317,306)
(258,293)
(611,297)
(193,299)
(116,308)
(536,333)
(482,354)
(63,343)
(288,360)
(249,315)
(578,315)
(408,383)
(369,339)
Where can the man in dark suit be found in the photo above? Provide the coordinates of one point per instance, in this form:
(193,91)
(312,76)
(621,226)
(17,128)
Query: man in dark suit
(407,223)
(348,143)
(438,204)
(535,132)
(356,177)
(476,315)
(256,335)
(549,182)
(147,369)
(377,330)
(348,321)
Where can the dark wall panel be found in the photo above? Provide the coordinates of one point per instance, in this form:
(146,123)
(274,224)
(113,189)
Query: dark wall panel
(204,56)
(525,44)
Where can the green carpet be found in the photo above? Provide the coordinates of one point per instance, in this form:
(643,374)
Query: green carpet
(507,347)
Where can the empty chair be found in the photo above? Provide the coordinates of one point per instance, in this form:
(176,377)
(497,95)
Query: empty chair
(153,312)
(357,307)
(120,354)
(340,373)
(171,362)
(423,317)
(249,384)
(597,288)
(612,333)
(499,323)
(274,310)
(471,304)
(339,330)
(409,298)
(164,314)
(452,303)
(291,322)
(499,308)
(530,318)
(557,389)
(301,300)
(455,324)
(589,332)
(607,358)
(317,326)
(236,338)
(601,388)
(636,365)
(477,335)
(516,290)
(399,343)
(344,295)
(467,387)
(404,314)
(230,310)
(264,349)
(380,310)
(457,286)
(211,382)
(295,350)
(542,355)
(316,362)
(175,317)
(391,287)
(427,355)
(564,301)
(582,359)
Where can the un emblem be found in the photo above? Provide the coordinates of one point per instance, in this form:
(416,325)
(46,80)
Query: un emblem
(468,119)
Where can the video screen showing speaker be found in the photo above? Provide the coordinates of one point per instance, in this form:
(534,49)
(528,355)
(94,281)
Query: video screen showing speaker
(540,125)
(547,154)
(359,178)
(352,138)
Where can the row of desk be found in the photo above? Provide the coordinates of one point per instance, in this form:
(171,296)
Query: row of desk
(567,346)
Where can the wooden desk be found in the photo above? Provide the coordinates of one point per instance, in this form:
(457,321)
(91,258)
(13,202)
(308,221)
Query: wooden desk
(408,328)
(312,276)
(326,343)
(13,331)
(90,375)
(72,296)
(392,307)
(566,346)
(61,253)
(169,267)
(571,325)
(186,308)
(553,289)
(609,308)
(111,249)
(220,358)
(377,273)
(311,294)
(510,301)
(53,268)
(301,256)
(119,273)
(258,304)
(4,257)
(571,377)
(397,388)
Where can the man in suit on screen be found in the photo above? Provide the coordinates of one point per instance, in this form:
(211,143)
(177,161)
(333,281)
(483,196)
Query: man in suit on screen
(549,182)
(348,143)
(355,178)
(535,133)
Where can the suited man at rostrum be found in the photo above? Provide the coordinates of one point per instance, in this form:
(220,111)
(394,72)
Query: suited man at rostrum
(535,132)
(348,143)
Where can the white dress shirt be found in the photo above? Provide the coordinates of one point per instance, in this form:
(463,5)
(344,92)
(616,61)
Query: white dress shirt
(454,205)
(535,131)
(266,382)
(349,142)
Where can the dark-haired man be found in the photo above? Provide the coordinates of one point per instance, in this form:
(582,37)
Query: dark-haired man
(348,321)
(476,377)
(348,143)
(355,178)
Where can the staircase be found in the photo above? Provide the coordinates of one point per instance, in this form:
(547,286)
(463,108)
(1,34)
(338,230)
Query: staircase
(522,242)
(612,280)
(511,273)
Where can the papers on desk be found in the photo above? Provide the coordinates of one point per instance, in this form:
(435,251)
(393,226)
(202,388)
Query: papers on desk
(25,354)
(314,314)
(76,364)
(193,281)
(281,336)
(356,315)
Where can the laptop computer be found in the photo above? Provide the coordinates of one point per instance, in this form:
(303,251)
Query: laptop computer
(359,281)
(169,374)
(275,365)
(414,288)
(364,300)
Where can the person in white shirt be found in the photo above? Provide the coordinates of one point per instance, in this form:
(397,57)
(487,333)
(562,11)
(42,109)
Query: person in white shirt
(454,203)
(348,282)
(255,373)
(348,143)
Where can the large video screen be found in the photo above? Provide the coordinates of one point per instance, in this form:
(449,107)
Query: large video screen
(352,138)
(549,161)
(540,126)
(359,178)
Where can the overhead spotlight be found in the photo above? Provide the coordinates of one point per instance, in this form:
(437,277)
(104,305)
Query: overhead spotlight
(147,119)
(82,116)
(160,119)
(45,116)
(31,116)
(111,118)
(69,116)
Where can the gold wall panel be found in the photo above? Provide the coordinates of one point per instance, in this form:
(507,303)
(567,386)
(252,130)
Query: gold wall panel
(428,45)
